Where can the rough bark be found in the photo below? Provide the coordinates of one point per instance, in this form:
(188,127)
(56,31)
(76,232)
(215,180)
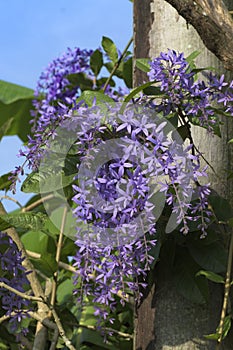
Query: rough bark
(179,324)
(214,24)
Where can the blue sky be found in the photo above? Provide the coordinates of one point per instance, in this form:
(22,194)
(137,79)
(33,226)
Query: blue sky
(35,32)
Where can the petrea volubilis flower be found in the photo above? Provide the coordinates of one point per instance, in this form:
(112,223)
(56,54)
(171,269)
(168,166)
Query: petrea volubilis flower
(126,158)
(14,275)
(182,94)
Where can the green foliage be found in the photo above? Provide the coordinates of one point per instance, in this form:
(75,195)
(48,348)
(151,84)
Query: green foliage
(143,64)
(11,92)
(190,262)
(39,182)
(5,183)
(96,62)
(23,221)
(213,277)
(15,106)
(187,282)
(110,49)
(98,96)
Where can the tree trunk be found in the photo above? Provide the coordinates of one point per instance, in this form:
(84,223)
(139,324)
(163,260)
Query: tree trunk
(179,324)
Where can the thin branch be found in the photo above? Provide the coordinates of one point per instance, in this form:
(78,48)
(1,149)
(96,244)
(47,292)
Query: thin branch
(11,199)
(58,255)
(61,330)
(37,203)
(60,263)
(226,292)
(20,294)
(111,330)
(38,292)
(117,64)
(5,318)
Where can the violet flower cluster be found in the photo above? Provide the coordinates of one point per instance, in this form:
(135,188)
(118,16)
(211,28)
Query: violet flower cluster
(117,205)
(138,166)
(14,275)
(53,95)
(194,99)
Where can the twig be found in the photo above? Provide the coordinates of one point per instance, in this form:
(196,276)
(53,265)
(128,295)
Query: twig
(20,294)
(36,203)
(40,338)
(121,334)
(11,199)
(60,263)
(58,254)
(117,64)
(61,330)
(5,318)
(226,292)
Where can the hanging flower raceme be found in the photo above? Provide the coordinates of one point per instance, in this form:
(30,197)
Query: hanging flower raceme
(13,274)
(131,165)
(182,94)
(57,91)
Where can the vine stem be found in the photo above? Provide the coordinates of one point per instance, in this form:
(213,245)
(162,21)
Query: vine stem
(117,64)
(227,287)
(37,203)
(20,294)
(40,335)
(58,254)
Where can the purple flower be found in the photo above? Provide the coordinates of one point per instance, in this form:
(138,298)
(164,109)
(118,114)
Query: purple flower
(190,99)
(110,205)
(14,275)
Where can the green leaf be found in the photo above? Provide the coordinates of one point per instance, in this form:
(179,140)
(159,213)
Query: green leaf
(65,291)
(29,221)
(96,62)
(46,264)
(70,223)
(5,183)
(117,72)
(46,182)
(152,91)
(226,326)
(191,287)
(99,97)
(5,128)
(212,257)
(110,49)
(128,73)
(15,117)
(11,92)
(15,106)
(100,82)
(137,90)
(80,80)
(143,64)
(226,329)
(38,242)
(192,56)
(92,337)
(221,207)
(212,336)
(211,276)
